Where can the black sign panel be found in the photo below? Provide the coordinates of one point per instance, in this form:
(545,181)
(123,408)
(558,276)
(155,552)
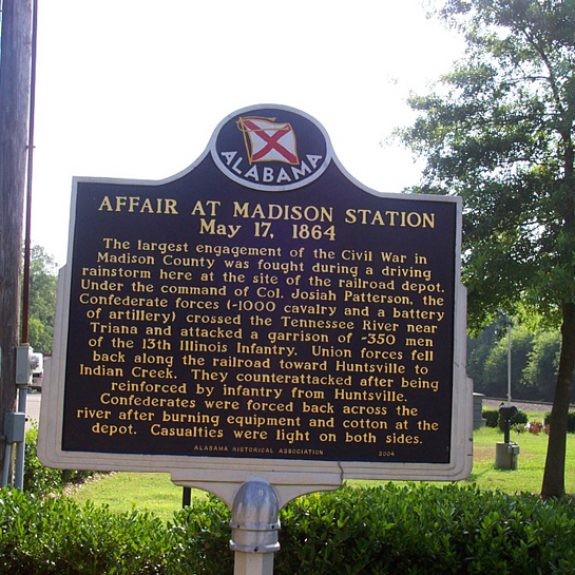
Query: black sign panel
(261,305)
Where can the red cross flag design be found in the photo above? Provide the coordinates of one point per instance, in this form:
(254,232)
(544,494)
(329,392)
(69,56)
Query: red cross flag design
(268,141)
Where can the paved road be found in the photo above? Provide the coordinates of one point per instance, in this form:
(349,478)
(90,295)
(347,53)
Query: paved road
(33,407)
(524,406)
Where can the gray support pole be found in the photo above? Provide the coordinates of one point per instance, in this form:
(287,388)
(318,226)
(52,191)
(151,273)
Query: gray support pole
(255,524)
(6,473)
(21,445)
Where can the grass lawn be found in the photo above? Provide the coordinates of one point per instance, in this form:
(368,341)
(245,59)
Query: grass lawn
(156,493)
(531,462)
(121,492)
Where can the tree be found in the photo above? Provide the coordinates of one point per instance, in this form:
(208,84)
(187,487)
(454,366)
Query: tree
(542,363)
(498,130)
(495,369)
(43,283)
(478,350)
(535,358)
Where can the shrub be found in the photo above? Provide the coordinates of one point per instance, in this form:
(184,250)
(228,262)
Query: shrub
(491,417)
(570,421)
(521,418)
(38,479)
(423,529)
(41,480)
(56,536)
(202,536)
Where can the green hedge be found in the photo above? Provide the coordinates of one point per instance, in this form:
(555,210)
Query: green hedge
(492,418)
(412,529)
(570,421)
(41,480)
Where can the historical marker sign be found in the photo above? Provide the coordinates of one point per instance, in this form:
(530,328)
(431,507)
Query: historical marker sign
(264,312)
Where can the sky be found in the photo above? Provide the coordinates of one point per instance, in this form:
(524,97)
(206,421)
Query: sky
(135,88)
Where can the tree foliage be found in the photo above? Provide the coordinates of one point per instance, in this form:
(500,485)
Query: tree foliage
(501,136)
(534,362)
(498,131)
(43,283)
(496,364)
(541,369)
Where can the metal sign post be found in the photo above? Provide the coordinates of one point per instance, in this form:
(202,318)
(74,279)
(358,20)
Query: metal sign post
(255,524)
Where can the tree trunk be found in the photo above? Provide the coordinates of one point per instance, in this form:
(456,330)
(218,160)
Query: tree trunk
(15,66)
(554,476)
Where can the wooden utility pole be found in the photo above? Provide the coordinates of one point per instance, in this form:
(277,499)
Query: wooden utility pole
(15,67)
